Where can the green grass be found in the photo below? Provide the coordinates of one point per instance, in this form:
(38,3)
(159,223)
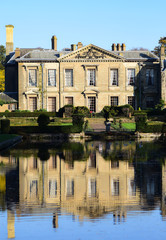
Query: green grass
(129,126)
(4,137)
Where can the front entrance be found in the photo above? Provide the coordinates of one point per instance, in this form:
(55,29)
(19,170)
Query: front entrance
(92,104)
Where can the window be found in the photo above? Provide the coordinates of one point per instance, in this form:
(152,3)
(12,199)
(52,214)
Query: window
(92,160)
(92,187)
(131,76)
(149,76)
(52,162)
(52,104)
(115,187)
(32,78)
(34,163)
(131,101)
(114,77)
(70,188)
(131,187)
(68,77)
(68,100)
(149,102)
(114,164)
(91,77)
(32,104)
(52,77)
(52,188)
(33,188)
(114,101)
(92,104)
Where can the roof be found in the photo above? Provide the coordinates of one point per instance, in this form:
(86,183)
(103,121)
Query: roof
(137,55)
(40,54)
(5,98)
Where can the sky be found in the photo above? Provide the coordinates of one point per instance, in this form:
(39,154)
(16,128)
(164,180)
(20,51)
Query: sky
(135,23)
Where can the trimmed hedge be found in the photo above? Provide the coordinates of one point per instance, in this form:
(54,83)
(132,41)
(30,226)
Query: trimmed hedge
(43,120)
(5,126)
(48,129)
(25,114)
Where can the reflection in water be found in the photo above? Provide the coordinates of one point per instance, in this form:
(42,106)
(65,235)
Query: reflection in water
(85,180)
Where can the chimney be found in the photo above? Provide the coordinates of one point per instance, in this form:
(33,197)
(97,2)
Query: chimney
(54,43)
(118,47)
(123,47)
(113,47)
(162,52)
(73,47)
(17,52)
(9,39)
(79,45)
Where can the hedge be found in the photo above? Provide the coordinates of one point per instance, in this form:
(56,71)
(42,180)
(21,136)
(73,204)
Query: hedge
(48,129)
(26,114)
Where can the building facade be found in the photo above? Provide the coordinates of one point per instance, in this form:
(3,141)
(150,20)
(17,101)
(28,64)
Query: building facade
(84,76)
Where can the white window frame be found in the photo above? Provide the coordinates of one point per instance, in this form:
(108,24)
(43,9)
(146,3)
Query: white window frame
(131,76)
(32,78)
(68,77)
(114,77)
(52,77)
(91,76)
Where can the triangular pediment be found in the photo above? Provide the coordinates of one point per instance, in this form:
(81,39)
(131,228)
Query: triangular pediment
(30,92)
(91,52)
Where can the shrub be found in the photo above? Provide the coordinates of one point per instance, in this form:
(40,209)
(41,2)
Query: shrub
(5,126)
(78,120)
(160,105)
(65,110)
(82,110)
(108,112)
(127,110)
(141,121)
(43,120)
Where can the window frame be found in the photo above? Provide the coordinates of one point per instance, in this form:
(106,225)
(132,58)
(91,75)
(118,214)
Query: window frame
(29,80)
(130,78)
(93,83)
(65,78)
(111,100)
(112,71)
(49,81)
(149,75)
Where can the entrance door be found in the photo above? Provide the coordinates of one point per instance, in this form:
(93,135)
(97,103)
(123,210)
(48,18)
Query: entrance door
(52,104)
(32,104)
(92,104)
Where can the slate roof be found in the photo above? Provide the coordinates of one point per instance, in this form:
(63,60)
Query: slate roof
(40,54)
(5,98)
(137,55)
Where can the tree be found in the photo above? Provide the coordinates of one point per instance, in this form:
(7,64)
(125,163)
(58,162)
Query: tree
(156,50)
(2,57)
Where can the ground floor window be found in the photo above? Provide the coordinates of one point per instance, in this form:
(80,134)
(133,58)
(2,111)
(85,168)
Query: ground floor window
(131,101)
(51,104)
(114,101)
(92,104)
(32,104)
(68,100)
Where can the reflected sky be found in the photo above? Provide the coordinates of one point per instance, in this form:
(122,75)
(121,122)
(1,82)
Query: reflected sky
(83,190)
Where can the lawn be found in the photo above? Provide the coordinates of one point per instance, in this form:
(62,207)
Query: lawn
(129,126)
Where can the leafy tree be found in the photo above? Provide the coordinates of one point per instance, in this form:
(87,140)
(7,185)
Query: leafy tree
(2,57)
(156,50)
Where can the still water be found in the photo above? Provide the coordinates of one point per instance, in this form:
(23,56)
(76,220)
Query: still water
(91,190)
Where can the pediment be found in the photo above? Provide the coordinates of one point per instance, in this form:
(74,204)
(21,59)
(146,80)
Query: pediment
(91,52)
(30,92)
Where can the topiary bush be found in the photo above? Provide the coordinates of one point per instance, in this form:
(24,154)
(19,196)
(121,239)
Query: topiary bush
(82,110)
(5,126)
(43,120)
(108,111)
(141,121)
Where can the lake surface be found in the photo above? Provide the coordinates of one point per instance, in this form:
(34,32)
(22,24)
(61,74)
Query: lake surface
(91,190)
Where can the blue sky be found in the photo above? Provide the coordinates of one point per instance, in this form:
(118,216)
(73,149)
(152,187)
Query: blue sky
(135,23)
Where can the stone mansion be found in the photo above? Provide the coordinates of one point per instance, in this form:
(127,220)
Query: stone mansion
(83,76)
